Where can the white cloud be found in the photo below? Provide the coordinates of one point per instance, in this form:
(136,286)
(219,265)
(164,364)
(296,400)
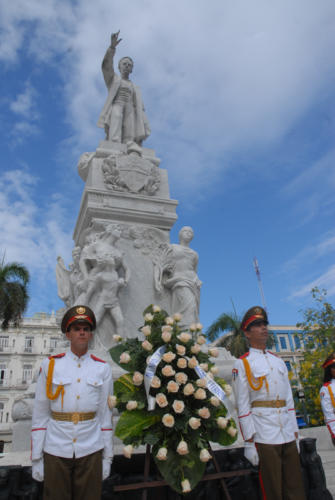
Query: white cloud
(326,280)
(24,103)
(315,251)
(32,234)
(224,76)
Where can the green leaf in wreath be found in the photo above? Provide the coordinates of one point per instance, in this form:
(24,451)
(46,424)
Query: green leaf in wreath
(177,467)
(132,423)
(124,384)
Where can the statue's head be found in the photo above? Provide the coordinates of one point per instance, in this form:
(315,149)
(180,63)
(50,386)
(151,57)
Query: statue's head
(186,234)
(126,65)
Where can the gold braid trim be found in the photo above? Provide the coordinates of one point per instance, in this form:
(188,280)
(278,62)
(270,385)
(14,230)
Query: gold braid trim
(60,388)
(331,395)
(250,378)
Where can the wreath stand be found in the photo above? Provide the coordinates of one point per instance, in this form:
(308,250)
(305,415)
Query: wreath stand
(218,475)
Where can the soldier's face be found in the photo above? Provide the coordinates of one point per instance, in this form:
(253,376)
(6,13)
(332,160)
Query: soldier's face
(79,335)
(257,334)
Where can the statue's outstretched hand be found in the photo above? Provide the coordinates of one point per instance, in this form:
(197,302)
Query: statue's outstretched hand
(115,39)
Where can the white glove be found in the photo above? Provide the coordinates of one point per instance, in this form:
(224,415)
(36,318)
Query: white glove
(37,469)
(298,444)
(106,468)
(250,452)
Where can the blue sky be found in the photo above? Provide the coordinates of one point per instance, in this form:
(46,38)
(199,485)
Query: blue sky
(241,99)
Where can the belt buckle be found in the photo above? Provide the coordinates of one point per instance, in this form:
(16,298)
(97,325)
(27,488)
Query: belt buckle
(277,404)
(75,418)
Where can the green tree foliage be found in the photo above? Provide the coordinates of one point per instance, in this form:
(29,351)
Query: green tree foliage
(318,332)
(233,338)
(14,297)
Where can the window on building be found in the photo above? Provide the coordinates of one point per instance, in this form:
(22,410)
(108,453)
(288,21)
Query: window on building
(288,365)
(7,417)
(3,372)
(53,343)
(27,373)
(28,344)
(283,343)
(13,342)
(297,342)
(44,344)
(4,342)
(1,411)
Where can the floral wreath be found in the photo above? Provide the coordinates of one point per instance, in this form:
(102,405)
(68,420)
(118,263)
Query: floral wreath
(171,398)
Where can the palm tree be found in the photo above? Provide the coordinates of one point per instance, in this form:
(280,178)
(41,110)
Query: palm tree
(233,338)
(14,297)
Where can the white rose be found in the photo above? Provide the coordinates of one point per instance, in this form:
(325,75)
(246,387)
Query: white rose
(181,377)
(193,362)
(181,349)
(188,389)
(182,363)
(117,338)
(195,349)
(214,370)
(124,358)
(168,420)
(215,401)
(161,400)
(147,346)
(210,375)
(155,382)
(178,406)
(162,453)
(204,366)
(204,455)
(184,337)
(156,309)
(194,423)
(166,336)
(128,450)
(137,378)
(193,327)
(182,448)
(169,320)
(172,386)
(169,356)
(167,328)
(227,389)
(204,412)
(112,401)
(148,360)
(201,382)
(177,317)
(168,371)
(222,422)
(131,405)
(146,330)
(201,340)
(213,351)
(199,326)
(148,317)
(185,484)
(232,431)
(200,394)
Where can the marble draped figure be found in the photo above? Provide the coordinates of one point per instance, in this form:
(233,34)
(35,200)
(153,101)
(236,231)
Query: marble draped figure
(177,272)
(123,116)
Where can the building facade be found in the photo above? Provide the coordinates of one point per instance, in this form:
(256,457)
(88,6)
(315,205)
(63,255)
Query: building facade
(22,350)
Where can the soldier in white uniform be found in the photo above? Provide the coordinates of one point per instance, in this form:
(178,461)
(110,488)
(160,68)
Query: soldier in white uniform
(266,413)
(327,394)
(72,422)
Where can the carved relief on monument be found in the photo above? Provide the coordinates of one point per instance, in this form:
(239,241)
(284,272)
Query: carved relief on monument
(131,172)
(175,269)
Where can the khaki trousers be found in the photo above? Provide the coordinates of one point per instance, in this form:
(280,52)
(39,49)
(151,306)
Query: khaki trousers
(73,478)
(280,472)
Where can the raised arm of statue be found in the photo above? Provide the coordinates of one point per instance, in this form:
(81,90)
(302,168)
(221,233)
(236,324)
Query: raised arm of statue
(108,60)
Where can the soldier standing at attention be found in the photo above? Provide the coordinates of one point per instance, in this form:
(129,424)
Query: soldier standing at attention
(72,422)
(266,413)
(327,394)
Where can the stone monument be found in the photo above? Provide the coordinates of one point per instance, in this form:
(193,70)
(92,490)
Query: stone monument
(122,258)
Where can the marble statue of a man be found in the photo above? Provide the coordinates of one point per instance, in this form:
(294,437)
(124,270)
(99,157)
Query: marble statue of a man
(123,116)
